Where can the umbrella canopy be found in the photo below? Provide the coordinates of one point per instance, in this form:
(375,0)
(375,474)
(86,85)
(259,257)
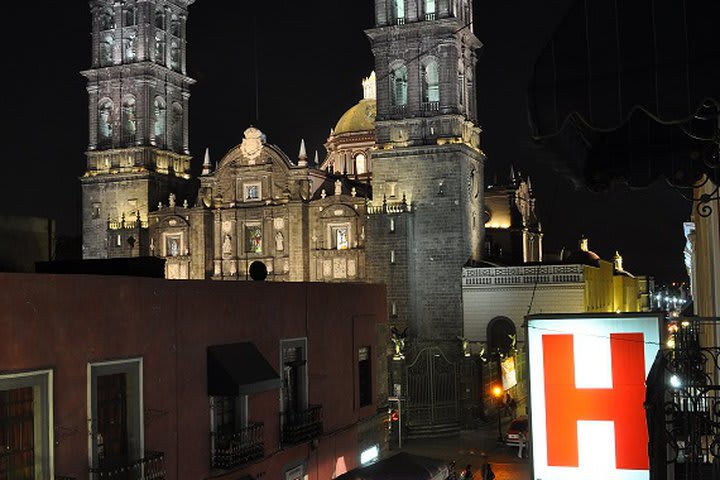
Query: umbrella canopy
(403,466)
(629,89)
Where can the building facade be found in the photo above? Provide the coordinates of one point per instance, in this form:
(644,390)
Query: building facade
(119,377)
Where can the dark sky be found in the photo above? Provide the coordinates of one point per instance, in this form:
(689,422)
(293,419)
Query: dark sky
(312,56)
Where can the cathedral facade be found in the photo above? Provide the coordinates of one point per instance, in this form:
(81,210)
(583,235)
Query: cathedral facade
(398,198)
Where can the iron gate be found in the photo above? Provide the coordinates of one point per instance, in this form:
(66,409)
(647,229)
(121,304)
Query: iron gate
(431,389)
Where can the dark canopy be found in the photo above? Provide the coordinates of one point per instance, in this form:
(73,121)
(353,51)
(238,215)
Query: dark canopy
(238,369)
(403,466)
(628,89)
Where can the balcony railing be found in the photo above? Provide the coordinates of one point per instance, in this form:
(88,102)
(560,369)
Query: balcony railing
(151,467)
(429,16)
(236,449)
(431,106)
(400,21)
(298,427)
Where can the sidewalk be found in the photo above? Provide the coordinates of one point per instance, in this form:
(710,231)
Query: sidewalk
(473,447)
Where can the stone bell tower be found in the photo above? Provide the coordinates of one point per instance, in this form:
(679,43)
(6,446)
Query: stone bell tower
(428,166)
(138,149)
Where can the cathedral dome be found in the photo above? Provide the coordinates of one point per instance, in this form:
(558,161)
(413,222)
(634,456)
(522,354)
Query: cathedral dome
(360,118)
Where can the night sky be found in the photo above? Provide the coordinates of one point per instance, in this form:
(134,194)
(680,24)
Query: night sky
(312,57)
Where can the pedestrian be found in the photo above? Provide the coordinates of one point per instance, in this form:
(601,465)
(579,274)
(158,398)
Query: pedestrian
(452,475)
(522,440)
(487,472)
(467,474)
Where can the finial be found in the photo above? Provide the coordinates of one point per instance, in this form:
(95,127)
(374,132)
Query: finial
(317,159)
(529,184)
(512,174)
(338,187)
(584,244)
(323,194)
(353,192)
(207,166)
(302,156)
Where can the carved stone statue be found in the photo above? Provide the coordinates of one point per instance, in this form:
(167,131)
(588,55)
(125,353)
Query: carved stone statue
(279,242)
(252,144)
(338,187)
(171,200)
(398,340)
(227,245)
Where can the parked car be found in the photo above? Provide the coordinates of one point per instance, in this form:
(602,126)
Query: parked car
(518,426)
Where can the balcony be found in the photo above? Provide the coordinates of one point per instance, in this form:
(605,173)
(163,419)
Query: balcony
(298,427)
(400,21)
(236,449)
(151,467)
(431,106)
(430,17)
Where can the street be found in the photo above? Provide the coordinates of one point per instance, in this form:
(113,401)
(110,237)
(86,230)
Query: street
(474,447)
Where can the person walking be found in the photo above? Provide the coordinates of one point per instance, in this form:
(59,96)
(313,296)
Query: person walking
(467,473)
(522,444)
(487,472)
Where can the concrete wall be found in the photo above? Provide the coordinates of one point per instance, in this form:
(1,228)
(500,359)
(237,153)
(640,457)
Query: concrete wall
(65,322)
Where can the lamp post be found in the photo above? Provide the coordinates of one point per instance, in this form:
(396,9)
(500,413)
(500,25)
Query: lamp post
(497,392)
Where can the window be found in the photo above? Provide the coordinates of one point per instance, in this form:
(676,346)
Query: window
(130,17)
(461,83)
(294,375)
(177,126)
(399,11)
(160,19)
(175,55)
(392,189)
(365,376)
(175,26)
(160,48)
(252,191)
(25,430)
(392,225)
(130,46)
(398,85)
(430,10)
(107,45)
(431,82)
(96,210)
(129,119)
(340,237)
(160,121)
(118,240)
(360,164)
(105,121)
(107,20)
(392,256)
(253,239)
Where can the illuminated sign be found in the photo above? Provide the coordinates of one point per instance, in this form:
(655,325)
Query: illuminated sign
(370,455)
(509,376)
(587,389)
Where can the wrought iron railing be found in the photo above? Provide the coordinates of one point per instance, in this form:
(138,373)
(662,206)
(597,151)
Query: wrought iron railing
(430,106)
(151,467)
(298,427)
(235,449)
(684,405)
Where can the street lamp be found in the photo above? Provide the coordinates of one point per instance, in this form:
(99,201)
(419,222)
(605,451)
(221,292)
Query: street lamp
(497,392)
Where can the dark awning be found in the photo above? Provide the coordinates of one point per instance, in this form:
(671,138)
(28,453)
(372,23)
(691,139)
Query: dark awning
(238,369)
(629,89)
(403,466)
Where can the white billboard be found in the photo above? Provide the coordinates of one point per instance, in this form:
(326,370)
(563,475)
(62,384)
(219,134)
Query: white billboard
(587,389)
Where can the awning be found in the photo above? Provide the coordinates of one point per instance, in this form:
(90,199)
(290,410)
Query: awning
(403,466)
(238,369)
(629,90)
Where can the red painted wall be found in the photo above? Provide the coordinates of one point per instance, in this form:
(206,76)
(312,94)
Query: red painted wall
(65,322)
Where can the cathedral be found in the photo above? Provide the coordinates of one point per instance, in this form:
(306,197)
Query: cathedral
(397,199)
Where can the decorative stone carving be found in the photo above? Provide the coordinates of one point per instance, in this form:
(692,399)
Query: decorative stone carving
(339,268)
(227,245)
(171,200)
(252,145)
(279,223)
(351,268)
(338,187)
(279,242)
(227,227)
(323,194)
(353,192)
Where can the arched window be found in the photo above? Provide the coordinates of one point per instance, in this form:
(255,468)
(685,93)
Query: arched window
(160,122)
(130,46)
(175,55)
(107,20)
(160,19)
(105,122)
(175,26)
(431,82)
(501,335)
(398,85)
(130,15)
(430,10)
(129,119)
(107,46)
(177,127)
(160,48)
(360,164)
(399,11)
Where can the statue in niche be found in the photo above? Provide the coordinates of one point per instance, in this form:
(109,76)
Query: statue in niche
(398,339)
(279,242)
(338,187)
(227,245)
